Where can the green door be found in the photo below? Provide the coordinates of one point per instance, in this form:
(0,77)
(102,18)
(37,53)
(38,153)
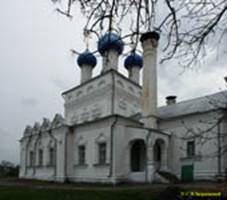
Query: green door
(187,173)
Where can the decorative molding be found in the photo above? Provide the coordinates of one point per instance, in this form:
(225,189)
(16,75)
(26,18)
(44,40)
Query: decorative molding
(79,93)
(51,144)
(81,165)
(120,83)
(46,125)
(36,128)
(28,130)
(192,158)
(131,89)
(101,83)
(101,138)
(90,88)
(122,104)
(90,98)
(101,165)
(58,121)
(80,141)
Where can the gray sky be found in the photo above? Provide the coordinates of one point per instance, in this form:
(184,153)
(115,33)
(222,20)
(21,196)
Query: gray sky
(36,66)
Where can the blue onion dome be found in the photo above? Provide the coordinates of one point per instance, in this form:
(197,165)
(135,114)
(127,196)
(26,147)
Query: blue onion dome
(86,58)
(133,60)
(110,41)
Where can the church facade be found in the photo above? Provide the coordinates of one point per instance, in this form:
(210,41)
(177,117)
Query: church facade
(112,130)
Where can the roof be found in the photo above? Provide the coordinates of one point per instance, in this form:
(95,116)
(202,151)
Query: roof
(192,106)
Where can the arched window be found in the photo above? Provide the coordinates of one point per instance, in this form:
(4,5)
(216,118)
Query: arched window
(40,154)
(102,153)
(31,158)
(138,156)
(158,153)
(51,153)
(102,145)
(52,156)
(80,153)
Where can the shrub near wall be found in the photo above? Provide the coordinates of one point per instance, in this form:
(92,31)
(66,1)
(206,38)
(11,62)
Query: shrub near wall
(8,169)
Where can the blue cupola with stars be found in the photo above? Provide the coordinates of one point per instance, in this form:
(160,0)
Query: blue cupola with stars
(133,63)
(86,61)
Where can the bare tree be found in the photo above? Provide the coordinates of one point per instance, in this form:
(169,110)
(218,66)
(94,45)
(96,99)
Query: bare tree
(187,26)
(208,130)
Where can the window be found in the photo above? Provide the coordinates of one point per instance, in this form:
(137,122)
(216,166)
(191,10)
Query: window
(102,153)
(81,155)
(31,158)
(190,148)
(51,157)
(40,157)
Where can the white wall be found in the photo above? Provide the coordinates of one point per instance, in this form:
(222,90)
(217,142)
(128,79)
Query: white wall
(205,160)
(90,134)
(43,141)
(95,98)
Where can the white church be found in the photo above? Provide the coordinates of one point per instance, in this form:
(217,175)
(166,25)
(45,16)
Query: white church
(114,132)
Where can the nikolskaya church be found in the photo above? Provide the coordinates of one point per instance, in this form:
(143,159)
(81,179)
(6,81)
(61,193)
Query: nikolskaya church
(113,131)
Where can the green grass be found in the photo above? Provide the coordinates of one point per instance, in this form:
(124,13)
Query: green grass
(21,193)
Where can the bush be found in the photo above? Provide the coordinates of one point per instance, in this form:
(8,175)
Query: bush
(8,169)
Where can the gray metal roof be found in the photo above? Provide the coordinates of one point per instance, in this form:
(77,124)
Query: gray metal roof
(197,105)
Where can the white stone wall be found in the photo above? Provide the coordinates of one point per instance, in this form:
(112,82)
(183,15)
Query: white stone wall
(205,159)
(86,102)
(127,97)
(125,133)
(43,141)
(224,147)
(90,135)
(97,98)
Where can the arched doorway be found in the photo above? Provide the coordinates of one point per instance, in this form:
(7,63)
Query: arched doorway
(159,148)
(138,156)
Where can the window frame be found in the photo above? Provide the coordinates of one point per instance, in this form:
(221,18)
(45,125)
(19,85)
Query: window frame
(31,158)
(82,155)
(190,148)
(102,153)
(52,156)
(40,157)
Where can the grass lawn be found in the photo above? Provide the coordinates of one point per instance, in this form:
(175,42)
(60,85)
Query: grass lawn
(16,189)
(22,193)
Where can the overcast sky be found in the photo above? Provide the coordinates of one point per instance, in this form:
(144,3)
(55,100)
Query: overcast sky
(36,67)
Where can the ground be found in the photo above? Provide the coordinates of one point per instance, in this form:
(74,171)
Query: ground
(11,189)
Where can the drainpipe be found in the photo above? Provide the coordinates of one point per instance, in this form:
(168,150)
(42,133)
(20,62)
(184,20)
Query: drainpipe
(112,126)
(111,145)
(219,149)
(219,161)
(113,93)
(65,164)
